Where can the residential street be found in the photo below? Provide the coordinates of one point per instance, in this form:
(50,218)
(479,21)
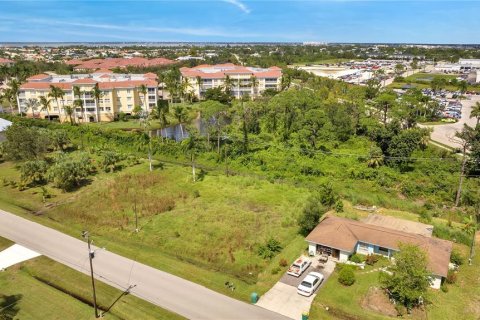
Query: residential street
(445,133)
(163,289)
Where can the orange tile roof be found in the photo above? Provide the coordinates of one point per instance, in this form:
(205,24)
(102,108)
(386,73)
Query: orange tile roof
(111,63)
(344,234)
(219,71)
(85,81)
(3,60)
(40,76)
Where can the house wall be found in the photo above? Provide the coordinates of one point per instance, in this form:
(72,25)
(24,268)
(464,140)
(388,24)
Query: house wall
(343,256)
(436,282)
(364,248)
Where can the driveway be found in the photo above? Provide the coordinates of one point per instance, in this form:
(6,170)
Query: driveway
(445,133)
(283,297)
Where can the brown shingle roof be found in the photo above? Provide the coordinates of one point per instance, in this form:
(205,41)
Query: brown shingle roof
(344,234)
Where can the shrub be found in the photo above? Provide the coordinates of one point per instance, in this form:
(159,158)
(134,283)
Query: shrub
(371,259)
(276,270)
(356,258)
(346,276)
(33,172)
(339,206)
(444,288)
(451,277)
(269,249)
(283,262)
(457,258)
(312,212)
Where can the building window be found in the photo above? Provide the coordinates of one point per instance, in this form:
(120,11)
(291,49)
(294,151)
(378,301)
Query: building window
(108,109)
(129,106)
(129,91)
(129,99)
(362,247)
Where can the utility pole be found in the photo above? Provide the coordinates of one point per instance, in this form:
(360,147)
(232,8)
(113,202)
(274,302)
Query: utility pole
(91,255)
(136,215)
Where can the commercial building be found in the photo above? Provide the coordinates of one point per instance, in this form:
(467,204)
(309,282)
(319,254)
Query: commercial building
(119,93)
(241,80)
(341,238)
(111,63)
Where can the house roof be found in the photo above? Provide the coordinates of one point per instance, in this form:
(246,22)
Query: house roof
(344,234)
(3,60)
(4,124)
(40,76)
(219,71)
(111,63)
(399,224)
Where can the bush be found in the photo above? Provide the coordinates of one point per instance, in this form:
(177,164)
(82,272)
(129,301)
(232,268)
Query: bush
(346,276)
(457,258)
(371,259)
(269,249)
(312,212)
(283,262)
(276,270)
(339,206)
(444,288)
(356,258)
(451,277)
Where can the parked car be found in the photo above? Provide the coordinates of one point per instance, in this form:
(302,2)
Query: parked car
(311,282)
(299,266)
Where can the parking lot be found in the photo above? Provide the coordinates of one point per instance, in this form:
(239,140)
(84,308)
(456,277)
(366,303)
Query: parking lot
(283,297)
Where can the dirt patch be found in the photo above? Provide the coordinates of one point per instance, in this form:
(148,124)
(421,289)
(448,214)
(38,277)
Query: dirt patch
(376,300)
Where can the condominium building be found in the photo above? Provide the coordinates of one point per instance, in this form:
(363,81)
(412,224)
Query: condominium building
(241,80)
(119,93)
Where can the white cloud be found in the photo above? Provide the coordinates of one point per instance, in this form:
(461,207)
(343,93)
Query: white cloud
(239,5)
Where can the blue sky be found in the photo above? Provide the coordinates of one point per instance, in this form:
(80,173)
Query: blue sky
(426,21)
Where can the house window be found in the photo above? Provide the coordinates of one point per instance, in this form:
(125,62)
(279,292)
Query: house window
(129,106)
(129,99)
(383,251)
(362,247)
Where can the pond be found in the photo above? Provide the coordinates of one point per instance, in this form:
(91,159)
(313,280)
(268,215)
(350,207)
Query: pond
(179,131)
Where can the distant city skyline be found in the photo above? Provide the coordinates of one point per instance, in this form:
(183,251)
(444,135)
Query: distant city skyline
(375,21)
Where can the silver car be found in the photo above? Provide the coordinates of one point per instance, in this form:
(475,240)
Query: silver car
(310,284)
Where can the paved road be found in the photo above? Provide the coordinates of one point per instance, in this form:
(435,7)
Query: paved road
(163,289)
(445,133)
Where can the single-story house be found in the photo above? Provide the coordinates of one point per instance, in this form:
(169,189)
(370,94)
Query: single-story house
(341,238)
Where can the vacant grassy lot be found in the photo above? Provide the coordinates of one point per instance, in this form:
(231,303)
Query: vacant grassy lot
(43,289)
(460,302)
(208,232)
(422,81)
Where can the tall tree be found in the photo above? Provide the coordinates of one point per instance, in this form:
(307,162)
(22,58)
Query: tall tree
(77,95)
(191,146)
(56,93)
(45,105)
(31,104)
(466,137)
(97,95)
(409,278)
(142,89)
(475,112)
(180,115)
(254,84)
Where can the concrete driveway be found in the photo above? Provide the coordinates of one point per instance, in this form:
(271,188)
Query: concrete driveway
(445,133)
(283,297)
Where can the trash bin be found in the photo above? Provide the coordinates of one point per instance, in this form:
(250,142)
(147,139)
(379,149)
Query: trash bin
(254,297)
(305,316)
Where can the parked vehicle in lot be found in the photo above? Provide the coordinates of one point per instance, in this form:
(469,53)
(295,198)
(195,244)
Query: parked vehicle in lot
(299,266)
(311,282)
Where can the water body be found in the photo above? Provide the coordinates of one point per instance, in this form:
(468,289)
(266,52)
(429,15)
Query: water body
(179,131)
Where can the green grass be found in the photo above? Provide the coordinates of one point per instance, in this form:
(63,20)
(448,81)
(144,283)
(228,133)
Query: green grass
(421,81)
(44,289)
(124,125)
(207,231)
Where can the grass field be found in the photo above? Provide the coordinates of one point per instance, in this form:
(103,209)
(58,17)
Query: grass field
(207,232)
(421,81)
(43,289)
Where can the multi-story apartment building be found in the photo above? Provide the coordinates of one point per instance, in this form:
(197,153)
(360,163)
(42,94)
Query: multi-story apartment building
(119,93)
(241,80)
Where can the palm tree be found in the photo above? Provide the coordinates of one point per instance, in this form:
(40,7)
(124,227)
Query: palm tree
(476,112)
(97,95)
(45,105)
(32,104)
(69,112)
(13,86)
(56,93)
(78,103)
(180,115)
(78,93)
(228,83)
(470,227)
(146,125)
(254,82)
(376,158)
(462,86)
(190,147)
(184,88)
(10,97)
(144,90)
(199,84)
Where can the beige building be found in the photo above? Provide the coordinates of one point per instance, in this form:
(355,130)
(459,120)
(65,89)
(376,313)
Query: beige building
(120,93)
(241,80)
